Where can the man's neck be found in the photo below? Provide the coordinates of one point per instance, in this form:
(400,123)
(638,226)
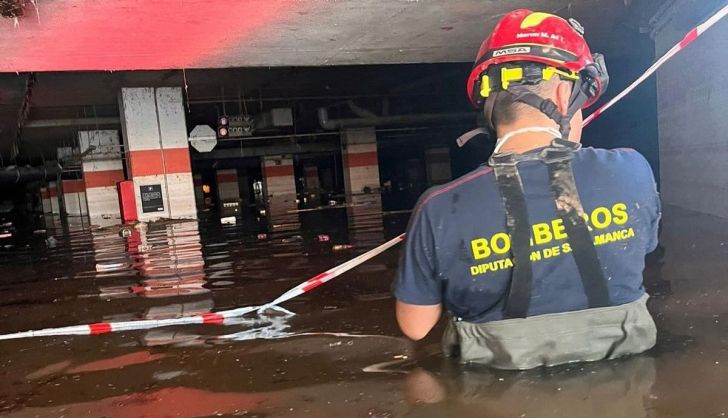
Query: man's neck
(526,140)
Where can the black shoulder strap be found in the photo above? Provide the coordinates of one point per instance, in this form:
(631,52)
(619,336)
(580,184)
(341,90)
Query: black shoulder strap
(511,190)
(568,205)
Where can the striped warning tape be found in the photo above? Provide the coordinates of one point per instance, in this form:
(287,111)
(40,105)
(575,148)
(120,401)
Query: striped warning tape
(219,318)
(689,38)
(211,318)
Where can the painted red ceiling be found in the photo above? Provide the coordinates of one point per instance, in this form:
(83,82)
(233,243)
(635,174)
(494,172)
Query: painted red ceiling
(69,35)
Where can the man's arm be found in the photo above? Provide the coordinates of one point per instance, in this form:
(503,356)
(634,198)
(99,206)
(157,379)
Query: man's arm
(416,321)
(654,206)
(417,287)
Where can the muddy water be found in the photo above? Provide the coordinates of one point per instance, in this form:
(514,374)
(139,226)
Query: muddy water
(341,355)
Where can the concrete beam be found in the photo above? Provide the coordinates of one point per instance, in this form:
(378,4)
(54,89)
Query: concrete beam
(59,123)
(267,149)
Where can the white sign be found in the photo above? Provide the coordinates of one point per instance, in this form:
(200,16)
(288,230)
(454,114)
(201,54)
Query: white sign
(203,138)
(512,51)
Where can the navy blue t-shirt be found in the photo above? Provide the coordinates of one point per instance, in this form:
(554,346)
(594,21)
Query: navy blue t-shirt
(457,250)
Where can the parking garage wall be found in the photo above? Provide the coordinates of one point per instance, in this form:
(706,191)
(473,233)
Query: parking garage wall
(692,102)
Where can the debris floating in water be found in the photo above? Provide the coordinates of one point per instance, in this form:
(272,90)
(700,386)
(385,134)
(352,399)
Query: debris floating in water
(110,267)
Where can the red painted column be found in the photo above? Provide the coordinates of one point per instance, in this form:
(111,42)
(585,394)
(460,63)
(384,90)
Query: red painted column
(46,200)
(227,184)
(53,196)
(360,160)
(158,157)
(361,175)
(74,197)
(279,186)
(311,175)
(102,169)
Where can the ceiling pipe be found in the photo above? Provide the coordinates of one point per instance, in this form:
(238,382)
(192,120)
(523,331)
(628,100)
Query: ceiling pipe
(59,123)
(360,111)
(377,121)
(17,175)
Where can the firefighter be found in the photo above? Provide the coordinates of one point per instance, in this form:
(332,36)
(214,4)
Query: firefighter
(537,257)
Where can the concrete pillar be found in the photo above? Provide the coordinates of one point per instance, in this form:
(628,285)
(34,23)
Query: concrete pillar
(53,196)
(278,176)
(227,184)
(279,187)
(437,161)
(692,95)
(311,175)
(45,200)
(157,154)
(74,197)
(360,161)
(199,193)
(102,169)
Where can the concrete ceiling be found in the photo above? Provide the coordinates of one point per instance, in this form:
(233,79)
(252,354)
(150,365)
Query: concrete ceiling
(238,42)
(66,35)
(74,95)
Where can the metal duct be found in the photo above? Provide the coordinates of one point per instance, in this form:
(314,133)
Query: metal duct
(337,124)
(59,123)
(17,175)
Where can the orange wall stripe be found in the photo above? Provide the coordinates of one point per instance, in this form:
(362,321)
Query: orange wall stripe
(278,171)
(106,178)
(227,178)
(148,162)
(73,186)
(363,159)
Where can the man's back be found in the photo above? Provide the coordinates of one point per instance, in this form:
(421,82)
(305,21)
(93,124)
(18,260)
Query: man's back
(557,298)
(458,250)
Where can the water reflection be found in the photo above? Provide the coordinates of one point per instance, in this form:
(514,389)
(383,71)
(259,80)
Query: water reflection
(165,259)
(282,213)
(168,260)
(342,354)
(364,213)
(576,390)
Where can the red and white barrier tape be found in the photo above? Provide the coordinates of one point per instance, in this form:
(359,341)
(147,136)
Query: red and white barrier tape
(219,318)
(216,318)
(687,40)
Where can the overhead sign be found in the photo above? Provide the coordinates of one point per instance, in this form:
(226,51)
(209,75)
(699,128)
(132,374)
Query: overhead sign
(203,138)
(236,126)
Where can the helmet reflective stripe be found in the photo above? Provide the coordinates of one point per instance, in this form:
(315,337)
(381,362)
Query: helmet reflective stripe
(516,74)
(535,19)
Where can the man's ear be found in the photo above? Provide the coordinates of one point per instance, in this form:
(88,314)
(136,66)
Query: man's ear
(563,94)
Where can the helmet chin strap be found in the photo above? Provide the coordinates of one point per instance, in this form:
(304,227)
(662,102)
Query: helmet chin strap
(505,138)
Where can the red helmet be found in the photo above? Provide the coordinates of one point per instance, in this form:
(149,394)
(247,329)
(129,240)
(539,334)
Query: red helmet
(524,35)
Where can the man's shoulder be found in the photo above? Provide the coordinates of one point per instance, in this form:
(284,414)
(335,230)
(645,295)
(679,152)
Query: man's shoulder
(625,161)
(457,189)
(616,155)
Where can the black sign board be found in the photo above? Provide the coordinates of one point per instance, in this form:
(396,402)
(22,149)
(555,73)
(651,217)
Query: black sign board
(152,198)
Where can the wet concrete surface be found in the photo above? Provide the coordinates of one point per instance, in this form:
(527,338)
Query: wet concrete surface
(342,354)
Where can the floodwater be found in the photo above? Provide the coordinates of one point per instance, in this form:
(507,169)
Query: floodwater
(342,354)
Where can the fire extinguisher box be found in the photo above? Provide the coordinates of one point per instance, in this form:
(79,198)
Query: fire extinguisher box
(127,201)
